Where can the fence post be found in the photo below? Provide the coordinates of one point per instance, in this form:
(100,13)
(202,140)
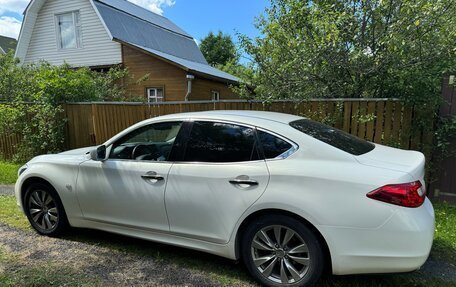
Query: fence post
(95,123)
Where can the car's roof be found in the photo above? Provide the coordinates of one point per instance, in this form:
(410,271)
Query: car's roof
(238,115)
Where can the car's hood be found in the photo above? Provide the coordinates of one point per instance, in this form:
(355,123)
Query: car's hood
(78,151)
(411,162)
(76,156)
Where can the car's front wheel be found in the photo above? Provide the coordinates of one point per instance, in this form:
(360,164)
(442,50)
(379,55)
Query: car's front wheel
(282,251)
(44,209)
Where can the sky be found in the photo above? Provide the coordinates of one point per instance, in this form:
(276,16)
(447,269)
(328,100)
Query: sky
(196,17)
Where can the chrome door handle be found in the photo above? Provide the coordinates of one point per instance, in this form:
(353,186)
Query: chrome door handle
(243,181)
(152,175)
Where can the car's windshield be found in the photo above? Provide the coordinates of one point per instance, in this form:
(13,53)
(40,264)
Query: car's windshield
(332,136)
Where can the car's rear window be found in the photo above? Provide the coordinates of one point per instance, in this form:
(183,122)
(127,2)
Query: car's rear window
(333,136)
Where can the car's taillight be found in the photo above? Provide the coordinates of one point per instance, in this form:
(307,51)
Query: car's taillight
(410,194)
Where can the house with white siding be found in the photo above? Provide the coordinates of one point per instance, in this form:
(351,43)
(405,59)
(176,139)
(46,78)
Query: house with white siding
(103,33)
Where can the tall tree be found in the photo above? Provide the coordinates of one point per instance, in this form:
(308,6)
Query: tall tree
(219,49)
(353,48)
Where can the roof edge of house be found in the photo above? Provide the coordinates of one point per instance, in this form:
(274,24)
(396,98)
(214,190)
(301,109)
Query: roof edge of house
(145,20)
(183,67)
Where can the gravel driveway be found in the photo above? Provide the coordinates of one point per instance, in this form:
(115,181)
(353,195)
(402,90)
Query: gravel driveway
(113,267)
(6,189)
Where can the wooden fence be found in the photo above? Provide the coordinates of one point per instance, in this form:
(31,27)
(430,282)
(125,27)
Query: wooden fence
(385,121)
(444,187)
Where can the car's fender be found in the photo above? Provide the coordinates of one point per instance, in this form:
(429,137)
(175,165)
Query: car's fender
(269,206)
(61,173)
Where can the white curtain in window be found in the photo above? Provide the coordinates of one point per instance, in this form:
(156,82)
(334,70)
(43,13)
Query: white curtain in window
(159,94)
(67,31)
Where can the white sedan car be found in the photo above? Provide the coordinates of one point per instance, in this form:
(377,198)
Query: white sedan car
(287,195)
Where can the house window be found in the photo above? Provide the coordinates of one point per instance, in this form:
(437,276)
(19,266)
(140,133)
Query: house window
(69,30)
(155,95)
(215,95)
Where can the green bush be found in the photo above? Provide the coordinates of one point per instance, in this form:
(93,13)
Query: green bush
(33,95)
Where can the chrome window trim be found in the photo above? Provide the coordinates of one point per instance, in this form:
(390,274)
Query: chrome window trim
(222,122)
(285,154)
(220,163)
(141,124)
(134,160)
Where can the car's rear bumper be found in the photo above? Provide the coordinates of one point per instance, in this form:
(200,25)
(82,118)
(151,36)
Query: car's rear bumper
(401,244)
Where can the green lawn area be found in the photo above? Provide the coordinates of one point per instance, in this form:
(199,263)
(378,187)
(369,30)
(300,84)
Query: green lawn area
(39,274)
(218,269)
(8,172)
(445,233)
(10,213)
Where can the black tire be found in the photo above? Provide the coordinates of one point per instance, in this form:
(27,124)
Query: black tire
(310,273)
(54,209)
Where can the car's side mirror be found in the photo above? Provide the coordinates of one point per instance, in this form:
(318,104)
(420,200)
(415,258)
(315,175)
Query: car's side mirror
(98,154)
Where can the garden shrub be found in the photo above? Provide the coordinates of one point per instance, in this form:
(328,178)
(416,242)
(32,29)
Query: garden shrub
(32,97)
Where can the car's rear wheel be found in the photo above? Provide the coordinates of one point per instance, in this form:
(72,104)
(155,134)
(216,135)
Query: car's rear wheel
(44,209)
(282,251)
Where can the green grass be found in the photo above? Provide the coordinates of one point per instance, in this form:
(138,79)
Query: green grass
(8,172)
(224,271)
(11,214)
(15,272)
(445,233)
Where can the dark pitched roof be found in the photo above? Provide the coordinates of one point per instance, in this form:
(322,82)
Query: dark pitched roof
(7,43)
(132,29)
(144,14)
(155,34)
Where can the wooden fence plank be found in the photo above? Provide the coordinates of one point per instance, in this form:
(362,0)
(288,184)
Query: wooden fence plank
(406,128)
(370,124)
(347,117)
(378,134)
(416,133)
(354,118)
(397,123)
(388,122)
(362,120)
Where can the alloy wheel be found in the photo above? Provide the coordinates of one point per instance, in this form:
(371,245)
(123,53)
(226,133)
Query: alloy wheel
(280,254)
(43,210)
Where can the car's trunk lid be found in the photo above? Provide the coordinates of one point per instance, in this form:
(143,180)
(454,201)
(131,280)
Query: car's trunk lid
(411,162)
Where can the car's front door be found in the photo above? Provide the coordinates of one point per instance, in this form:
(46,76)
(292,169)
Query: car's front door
(221,174)
(128,188)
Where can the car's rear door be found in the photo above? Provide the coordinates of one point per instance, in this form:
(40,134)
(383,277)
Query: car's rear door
(128,188)
(221,173)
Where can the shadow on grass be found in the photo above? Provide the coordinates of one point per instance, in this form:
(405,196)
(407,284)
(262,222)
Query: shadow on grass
(228,272)
(219,269)
(443,250)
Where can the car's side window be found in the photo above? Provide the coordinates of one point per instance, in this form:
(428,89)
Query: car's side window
(152,143)
(221,142)
(272,145)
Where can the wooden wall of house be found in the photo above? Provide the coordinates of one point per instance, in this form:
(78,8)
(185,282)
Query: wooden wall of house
(163,74)
(202,90)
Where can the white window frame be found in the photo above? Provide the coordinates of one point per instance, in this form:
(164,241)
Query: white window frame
(76,15)
(155,98)
(215,96)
